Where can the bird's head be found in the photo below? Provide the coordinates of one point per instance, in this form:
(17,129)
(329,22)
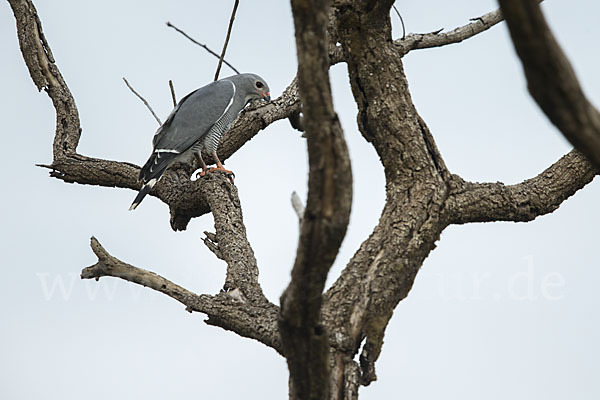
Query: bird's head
(253,86)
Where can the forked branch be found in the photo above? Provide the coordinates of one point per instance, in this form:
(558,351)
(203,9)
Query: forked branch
(225,310)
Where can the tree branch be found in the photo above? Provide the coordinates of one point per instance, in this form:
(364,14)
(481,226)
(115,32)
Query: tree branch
(358,306)
(235,6)
(233,245)
(45,75)
(205,47)
(241,283)
(415,41)
(304,338)
(487,202)
(173,97)
(225,310)
(551,79)
(139,96)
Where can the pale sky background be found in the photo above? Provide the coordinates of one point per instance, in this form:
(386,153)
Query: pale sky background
(527,330)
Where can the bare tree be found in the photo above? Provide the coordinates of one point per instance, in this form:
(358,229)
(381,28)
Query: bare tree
(319,333)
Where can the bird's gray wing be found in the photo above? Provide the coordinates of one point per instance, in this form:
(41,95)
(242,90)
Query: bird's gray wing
(191,119)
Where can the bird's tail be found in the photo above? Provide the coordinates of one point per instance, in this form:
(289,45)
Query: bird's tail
(146,187)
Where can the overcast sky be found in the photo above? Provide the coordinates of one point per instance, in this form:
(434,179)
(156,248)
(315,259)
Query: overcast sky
(498,310)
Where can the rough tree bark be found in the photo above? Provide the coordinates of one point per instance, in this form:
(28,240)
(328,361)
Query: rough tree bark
(304,337)
(320,333)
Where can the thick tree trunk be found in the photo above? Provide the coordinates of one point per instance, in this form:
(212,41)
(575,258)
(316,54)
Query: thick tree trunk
(361,302)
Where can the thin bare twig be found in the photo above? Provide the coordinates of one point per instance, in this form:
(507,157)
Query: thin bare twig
(170,25)
(235,6)
(401,21)
(144,101)
(173,93)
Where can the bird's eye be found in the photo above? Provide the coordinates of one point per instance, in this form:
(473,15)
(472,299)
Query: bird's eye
(259,84)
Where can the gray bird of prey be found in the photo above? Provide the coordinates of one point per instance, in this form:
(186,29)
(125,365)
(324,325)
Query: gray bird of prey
(197,123)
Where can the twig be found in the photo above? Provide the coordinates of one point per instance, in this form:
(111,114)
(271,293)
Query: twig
(173,93)
(401,21)
(235,6)
(144,101)
(170,25)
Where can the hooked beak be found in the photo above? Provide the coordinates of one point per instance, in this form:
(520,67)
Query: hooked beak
(266,96)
